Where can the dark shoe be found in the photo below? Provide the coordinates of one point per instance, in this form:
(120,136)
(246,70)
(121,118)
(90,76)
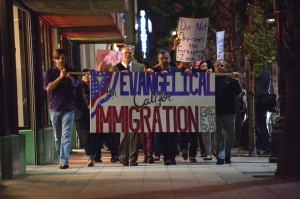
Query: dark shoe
(193,159)
(97,158)
(150,160)
(90,162)
(167,162)
(227,160)
(173,162)
(124,161)
(220,161)
(145,159)
(114,159)
(156,158)
(184,154)
(208,157)
(203,155)
(63,166)
(266,152)
(133,163)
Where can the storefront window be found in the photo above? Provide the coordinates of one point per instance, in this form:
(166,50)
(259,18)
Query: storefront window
(46,58)
(23,64)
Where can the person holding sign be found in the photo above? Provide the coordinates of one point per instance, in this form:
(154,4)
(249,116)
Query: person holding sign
(129,145)
(59,83)
(227,88)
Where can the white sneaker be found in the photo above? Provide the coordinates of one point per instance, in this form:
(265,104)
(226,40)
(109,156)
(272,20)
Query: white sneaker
(208,157)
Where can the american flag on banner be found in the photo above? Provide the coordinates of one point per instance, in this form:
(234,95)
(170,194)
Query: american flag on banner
(100,81)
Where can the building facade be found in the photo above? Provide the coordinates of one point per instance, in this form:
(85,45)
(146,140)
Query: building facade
(30,31)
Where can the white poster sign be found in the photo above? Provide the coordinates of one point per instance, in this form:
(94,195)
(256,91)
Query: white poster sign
(192,33)
(220,45)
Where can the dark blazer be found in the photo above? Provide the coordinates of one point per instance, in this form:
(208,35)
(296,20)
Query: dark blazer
(171,69)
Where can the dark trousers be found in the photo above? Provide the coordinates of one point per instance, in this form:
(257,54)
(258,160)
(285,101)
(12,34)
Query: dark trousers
(189,142)
(169,145)
(262,133)
(129,146)
(201,145)
(87,139)
(147,143)
(111,140)
(156,144)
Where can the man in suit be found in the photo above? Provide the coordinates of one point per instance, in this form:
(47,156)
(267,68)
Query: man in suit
(129,145)
(166,141)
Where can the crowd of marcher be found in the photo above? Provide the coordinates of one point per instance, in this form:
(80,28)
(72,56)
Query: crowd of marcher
(65,108)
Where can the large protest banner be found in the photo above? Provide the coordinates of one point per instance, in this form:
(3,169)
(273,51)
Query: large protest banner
(220,45)
(144,102)
(192,33)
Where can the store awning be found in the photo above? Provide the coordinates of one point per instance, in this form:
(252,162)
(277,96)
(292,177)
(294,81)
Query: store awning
(84,21)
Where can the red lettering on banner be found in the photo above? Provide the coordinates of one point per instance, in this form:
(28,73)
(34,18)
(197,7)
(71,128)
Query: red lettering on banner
(175,119)
(97,121)
(115,118)
(168,118)
(193,118)
(124,126)
(156,120)
(102,119)
(145,115)
(182,127)
(147,119)
(136,121)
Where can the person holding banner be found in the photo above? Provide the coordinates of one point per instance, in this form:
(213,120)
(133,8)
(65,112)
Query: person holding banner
(111,139)
(205,138)
(167,141)
(129,144)
(187,141)
(82,118)
(59,83)
(227,88)
(147,137)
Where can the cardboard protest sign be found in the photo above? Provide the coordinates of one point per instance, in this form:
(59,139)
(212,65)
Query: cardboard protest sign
(193,36)
(112,56)
(144,102)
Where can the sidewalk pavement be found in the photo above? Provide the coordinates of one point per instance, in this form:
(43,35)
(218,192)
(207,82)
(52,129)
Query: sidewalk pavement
(245,177)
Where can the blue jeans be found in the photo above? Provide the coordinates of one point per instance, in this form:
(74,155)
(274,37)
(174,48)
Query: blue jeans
(225,135)
(62,123)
